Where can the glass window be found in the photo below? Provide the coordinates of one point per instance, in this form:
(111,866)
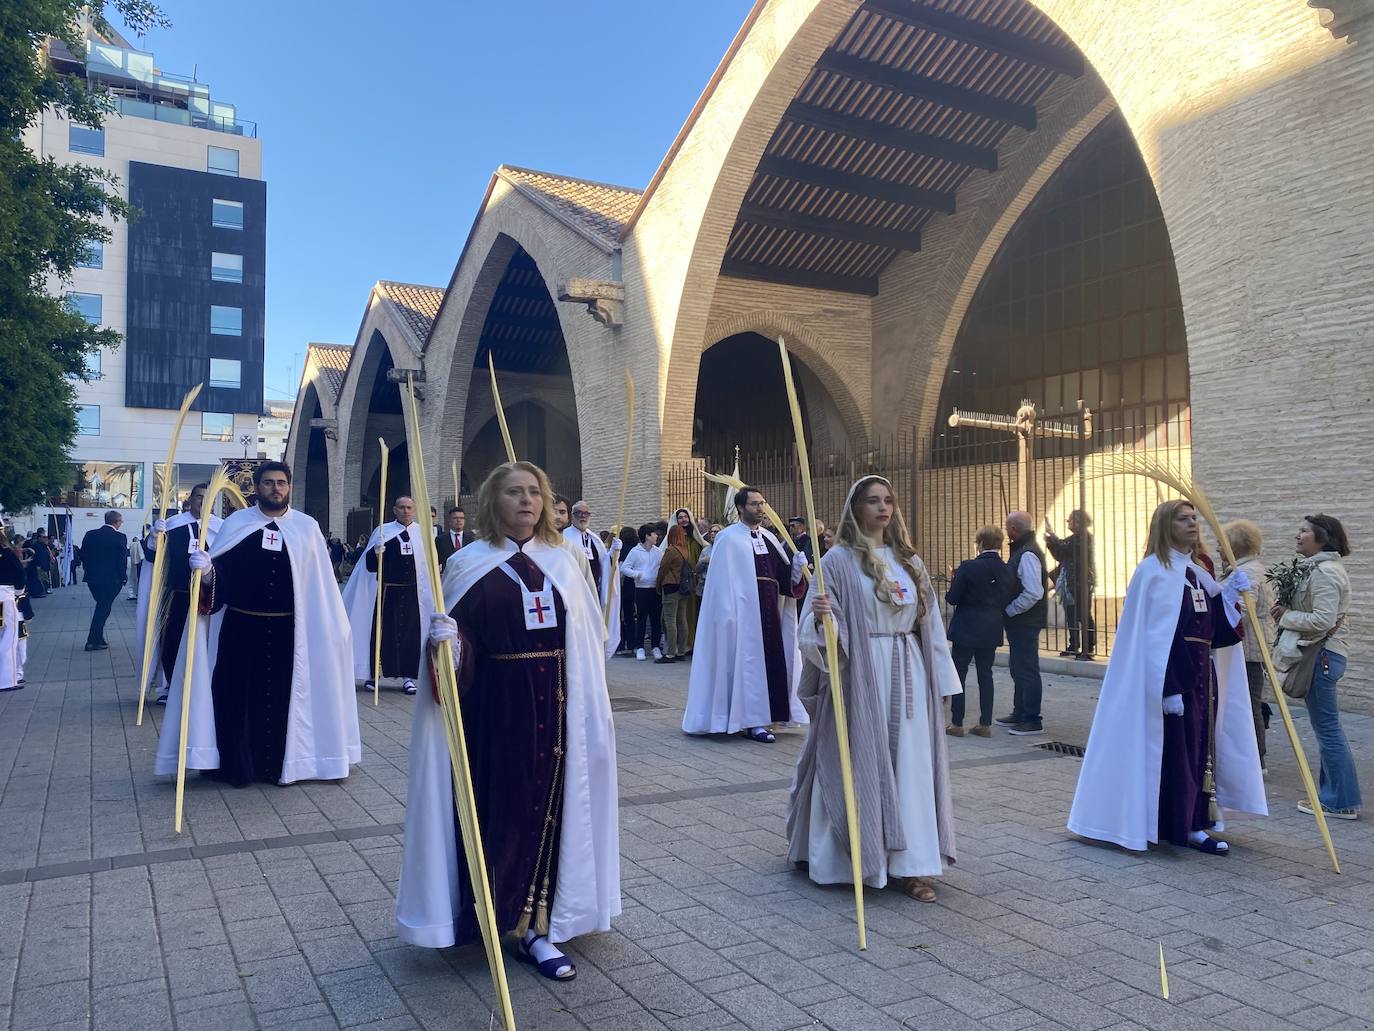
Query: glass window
(185,475)
(226,214)
(217,426)
(93,363)
(82,139)
(226,268)
(94,256)
(88,420)
(226,321)
(223,160)
(89,306)
(224,372)
(104,485)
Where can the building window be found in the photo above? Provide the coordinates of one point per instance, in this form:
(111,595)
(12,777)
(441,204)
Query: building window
(94,256)
(217,426)
(82,139)
(185,476)
(226,321)
(104,485)
(93,364)
(226,268)
(224,372)
(90,307)
(88,420)
(223,160)
(226,214)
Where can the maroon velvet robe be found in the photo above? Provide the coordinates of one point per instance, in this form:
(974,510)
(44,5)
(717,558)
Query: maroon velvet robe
(774,575)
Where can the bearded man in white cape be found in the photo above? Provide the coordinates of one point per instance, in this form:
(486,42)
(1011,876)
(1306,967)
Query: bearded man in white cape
(272,697)
(528,637)
(407,599)
(582,537)
(746,665)
(1173,738)
(180,535)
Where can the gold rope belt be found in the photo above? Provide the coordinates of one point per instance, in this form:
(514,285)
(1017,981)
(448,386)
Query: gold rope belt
(250,612)
(1198,640)
(516,656)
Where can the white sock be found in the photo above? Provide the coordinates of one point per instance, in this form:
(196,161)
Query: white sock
(1198,837)
(542,949)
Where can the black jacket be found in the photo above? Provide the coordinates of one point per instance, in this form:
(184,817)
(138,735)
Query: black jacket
(105,556)
(443,541)
(978,593)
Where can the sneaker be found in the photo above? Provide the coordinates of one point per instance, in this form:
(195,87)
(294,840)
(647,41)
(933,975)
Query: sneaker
(954,730)
(1027,729)
(639,654)
(408,687)
(1007,721)
(1067,653)
(367,686)
(658,654)
(980,731)
(1084,658)
(160,700)
(1335,814)
(662,659)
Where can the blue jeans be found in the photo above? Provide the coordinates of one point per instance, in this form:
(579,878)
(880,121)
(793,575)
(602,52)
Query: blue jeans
(1339,787)
(1023,659)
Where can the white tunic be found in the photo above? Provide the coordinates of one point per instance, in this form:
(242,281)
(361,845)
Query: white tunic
(11,661)
(892,625)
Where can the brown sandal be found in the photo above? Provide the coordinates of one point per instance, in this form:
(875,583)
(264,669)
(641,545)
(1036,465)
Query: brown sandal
(918,889)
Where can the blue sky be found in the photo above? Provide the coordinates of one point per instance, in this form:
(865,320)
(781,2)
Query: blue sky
(382,122)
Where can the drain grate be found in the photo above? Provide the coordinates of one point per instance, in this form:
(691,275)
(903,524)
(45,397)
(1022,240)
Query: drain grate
(633,705)
(1062,748)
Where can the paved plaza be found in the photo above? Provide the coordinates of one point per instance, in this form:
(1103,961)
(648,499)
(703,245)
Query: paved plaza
(275,907)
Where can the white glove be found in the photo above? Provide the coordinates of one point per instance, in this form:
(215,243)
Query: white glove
(200,560)
(442,628)
(616,545)
(798,564)
(159,526)
(1173,705)
(1234,586)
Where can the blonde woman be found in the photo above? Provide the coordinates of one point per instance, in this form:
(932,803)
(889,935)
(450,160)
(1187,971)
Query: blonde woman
(1246,544)
(895,670)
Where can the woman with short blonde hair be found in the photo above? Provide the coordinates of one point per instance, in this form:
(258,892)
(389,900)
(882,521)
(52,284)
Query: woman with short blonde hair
(1246,543)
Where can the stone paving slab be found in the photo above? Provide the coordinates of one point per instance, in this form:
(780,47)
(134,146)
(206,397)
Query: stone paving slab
(274,907)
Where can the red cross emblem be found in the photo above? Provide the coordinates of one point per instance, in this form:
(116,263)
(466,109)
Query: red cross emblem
(538,609)
(899,590)
(271,538)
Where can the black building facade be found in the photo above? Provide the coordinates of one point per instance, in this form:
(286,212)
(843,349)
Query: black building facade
(196,289)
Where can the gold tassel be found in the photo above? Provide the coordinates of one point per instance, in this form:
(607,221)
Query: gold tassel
(522,928)
(541,915)
(1213,811)
(1209,783)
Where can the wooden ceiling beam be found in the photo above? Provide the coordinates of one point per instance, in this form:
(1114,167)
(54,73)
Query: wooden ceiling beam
(831,228)
(861,185)
(883,134)
(1064,60)
(799,277)
(916,85)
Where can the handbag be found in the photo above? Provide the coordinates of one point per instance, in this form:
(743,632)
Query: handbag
(1297,679)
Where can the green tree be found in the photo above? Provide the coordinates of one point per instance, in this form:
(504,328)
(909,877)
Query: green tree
(49,215)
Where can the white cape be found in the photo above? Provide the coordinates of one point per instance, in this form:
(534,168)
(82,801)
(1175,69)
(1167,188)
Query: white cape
(610,586)
(322,726)
(360,596)
(587,896)
(156,681)
(11,663)
(729,685)
(1118,787)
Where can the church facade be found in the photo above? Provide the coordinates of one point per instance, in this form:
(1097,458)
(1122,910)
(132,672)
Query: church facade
(1161,209)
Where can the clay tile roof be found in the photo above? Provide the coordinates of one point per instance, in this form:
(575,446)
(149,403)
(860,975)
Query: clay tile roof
(597,210)
(332,361)
(418,304)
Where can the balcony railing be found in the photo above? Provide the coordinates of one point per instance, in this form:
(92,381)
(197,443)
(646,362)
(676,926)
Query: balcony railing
(132,108)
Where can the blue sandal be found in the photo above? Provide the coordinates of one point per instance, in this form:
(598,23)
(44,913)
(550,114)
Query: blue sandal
(760,734)
(549,967)
(1211,847)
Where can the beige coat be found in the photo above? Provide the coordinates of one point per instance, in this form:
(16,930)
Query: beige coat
(1264,601)
(1321,602)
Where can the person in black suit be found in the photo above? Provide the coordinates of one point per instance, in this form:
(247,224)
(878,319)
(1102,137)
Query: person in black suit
(105,554)
(978,593)
(456,537)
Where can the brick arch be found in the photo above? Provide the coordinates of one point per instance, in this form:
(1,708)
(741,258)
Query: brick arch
(802,344)
(355,447)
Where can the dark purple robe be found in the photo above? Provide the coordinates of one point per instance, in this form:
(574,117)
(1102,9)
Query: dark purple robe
(1183,804)
(177,591)
(251,684)
(774,574)
(400,609)
(514,710)
(593,560)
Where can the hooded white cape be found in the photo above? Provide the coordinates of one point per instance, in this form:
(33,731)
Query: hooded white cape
(322,726)
(610,586)
(145,584)
(587,896)
(1118,788)
(729,684)
(360,596)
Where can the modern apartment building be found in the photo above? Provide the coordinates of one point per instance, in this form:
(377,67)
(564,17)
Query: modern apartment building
(184,281)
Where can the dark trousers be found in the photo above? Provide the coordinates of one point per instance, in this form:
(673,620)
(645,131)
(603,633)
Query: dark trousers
(1023,657)
(1072,617)
(982,660)
(627,613)
(649,617)
(104,595)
